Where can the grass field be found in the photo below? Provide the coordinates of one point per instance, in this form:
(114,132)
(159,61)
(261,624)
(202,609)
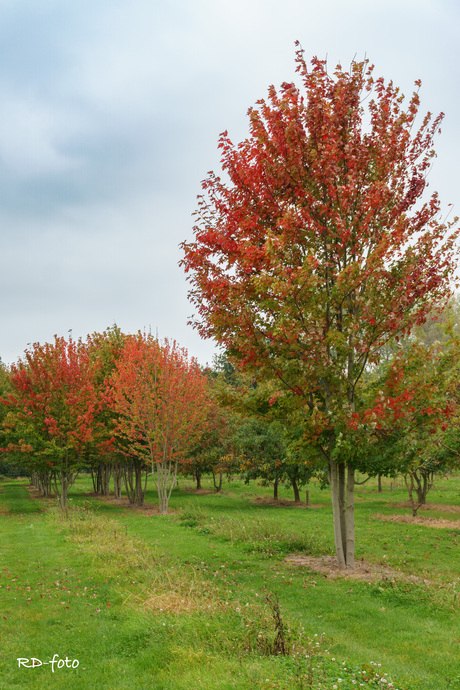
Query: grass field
(205,597)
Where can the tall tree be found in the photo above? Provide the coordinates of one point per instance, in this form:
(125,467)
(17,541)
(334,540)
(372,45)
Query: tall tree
(317,249)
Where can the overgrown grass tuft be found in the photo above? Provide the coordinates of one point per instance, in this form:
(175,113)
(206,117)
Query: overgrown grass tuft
(258,534)
(432,596)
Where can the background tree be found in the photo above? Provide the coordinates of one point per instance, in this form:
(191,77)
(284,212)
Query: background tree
(215,444)
(319,249)
(13,462)
(103,457)
(413,408)
(160,397)
(264,449)
(51,410)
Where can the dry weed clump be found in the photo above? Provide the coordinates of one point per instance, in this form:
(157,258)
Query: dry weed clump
(441,507)
(439,523)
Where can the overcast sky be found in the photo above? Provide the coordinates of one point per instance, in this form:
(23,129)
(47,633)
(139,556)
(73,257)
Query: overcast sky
(109,117)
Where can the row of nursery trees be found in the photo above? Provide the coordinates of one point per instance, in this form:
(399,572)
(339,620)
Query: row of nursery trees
(117,404)
(126,406)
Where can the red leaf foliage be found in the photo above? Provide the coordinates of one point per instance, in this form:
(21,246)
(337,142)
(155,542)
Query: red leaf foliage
(160,398)
(53,393)
(316,247)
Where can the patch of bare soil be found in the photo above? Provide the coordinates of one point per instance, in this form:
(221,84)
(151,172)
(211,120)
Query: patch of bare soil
(36,493)
(33,491)
(281,502)
(420,520)
(428,506)
(200,492)
(328,567)
(146,509)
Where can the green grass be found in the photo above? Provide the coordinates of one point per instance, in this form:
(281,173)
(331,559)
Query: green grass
(180,601)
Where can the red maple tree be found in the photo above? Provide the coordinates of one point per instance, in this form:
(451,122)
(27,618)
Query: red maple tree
(52,408)
(160,397)
(317,248)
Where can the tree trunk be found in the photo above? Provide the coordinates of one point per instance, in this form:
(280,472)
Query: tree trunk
(93,479)
(66,479)
(64,491)
(166,472)
(218,486)
(44,483)
(417,480)
(106,471)
(410,485)
(343,508)
(379,483)
(97,485)
(198,480)
(336,513)
(133,483)
(342,482)
(275,489)
(117,474)
(139,489)
(350,518)
(296,491)
(422,487)
(128,476)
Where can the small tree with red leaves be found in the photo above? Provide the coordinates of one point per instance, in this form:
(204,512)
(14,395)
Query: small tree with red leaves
(317,248)
(160,397)
(51,410)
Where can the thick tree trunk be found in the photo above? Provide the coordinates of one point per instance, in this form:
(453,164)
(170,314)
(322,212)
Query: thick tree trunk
(379,483)
(336,512)
(342,482)
(296,491)
(198,479)
(350,518)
